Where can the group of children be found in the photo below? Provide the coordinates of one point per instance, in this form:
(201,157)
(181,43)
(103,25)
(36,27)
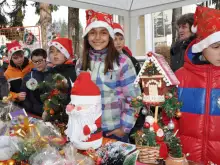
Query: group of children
(114,72)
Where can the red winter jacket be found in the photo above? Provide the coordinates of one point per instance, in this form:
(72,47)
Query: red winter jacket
(199,90)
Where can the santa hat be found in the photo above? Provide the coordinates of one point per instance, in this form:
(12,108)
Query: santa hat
(85,91)
(207,28)
(13,47)
(96,20)
(64,45)
(118,29)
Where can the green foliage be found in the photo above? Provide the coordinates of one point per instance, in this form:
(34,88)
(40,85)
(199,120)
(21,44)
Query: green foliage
(145,138)
(151,69)
(171,105)
(37,5)
(18,13)
(55,98)
(174,145)
(149,138)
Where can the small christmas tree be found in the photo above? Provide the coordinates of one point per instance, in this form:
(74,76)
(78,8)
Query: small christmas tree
(174,144)
(55,98)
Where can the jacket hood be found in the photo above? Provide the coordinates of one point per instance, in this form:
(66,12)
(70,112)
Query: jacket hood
(188,58)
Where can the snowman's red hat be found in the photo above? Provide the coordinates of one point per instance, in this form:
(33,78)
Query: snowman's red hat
(85,91)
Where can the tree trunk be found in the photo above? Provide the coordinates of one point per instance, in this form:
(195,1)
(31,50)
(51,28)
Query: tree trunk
(177,12)
(73,28)
(45,21)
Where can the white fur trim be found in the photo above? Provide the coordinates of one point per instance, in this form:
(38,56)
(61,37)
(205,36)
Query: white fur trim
(97,24)
(13,50)
(76,99)
(119,31)
(60,47)
(86,145)
(205,43)
(194,29)
(92,128)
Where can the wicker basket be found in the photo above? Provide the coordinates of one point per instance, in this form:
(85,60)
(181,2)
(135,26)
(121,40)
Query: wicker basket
(148,155)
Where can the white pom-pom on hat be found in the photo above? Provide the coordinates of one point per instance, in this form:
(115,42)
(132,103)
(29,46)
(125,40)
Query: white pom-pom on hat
(194,29)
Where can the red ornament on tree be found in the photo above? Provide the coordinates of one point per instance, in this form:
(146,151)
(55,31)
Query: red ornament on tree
(136,115)
(146,125)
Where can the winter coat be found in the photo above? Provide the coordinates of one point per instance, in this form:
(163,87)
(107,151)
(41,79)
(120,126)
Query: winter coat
(3,85)
(133,60)
(199,90)
(14,76)
(177,53)
(32,102)
(115,86)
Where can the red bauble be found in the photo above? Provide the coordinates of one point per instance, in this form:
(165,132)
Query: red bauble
(146,125)
(136,115)
(149,54)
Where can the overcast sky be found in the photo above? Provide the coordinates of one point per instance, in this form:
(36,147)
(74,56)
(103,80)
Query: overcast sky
(31,18)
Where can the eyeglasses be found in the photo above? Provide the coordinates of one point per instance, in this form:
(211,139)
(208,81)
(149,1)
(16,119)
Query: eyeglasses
(38,62)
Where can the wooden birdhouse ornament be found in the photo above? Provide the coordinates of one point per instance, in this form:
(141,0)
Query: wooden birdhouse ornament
(155,75)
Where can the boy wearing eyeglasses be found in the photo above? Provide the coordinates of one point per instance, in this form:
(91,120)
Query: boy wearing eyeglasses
(32,102)
(19,66)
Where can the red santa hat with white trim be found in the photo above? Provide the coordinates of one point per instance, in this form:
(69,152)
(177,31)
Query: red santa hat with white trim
(64,45)
(13,47)
(97,19)
(85,91)
(207,28)
(118,29)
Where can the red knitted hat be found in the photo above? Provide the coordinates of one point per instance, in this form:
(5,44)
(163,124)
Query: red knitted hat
(84,90)
(207,28)
(118,29)
(96,20)
(64,45)
(13,47)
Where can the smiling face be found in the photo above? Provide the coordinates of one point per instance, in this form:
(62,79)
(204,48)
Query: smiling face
(98,38)
(184,31)
(212,54)
(56,56)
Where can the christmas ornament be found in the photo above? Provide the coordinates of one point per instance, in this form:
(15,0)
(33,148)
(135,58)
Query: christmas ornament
(178,114)
(32,84)
(149,119)
(151,129)
(160,132)
(136,115)
(144,111)
(146,125)
(29,38)
(170,125)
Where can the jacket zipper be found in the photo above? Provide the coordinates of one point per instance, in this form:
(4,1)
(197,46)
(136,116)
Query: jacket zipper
(206,115)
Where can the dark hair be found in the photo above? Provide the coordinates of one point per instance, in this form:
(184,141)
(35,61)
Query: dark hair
(112,55)
(186,18)
(20,52)
(39,52)
(118,34)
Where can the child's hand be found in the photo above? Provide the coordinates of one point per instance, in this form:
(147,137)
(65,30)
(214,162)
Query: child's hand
(118,132)
(21,96)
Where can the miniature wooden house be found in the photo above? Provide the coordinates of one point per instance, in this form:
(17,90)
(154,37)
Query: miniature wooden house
(155,76)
